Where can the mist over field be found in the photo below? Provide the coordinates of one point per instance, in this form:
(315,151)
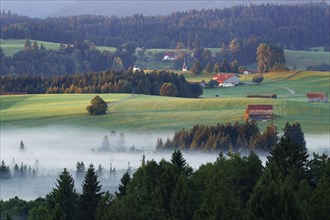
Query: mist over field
(49,150)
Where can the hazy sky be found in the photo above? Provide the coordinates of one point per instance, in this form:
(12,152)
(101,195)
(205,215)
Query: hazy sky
(39,8)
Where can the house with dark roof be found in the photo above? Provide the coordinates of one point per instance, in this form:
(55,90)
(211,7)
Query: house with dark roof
(259,112)
(226,80)
(317,96)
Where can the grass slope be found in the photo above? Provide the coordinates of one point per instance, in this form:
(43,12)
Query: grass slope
(151,113)
(12,46)
(298,59)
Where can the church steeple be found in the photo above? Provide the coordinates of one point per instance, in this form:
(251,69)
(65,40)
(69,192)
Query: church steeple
(184,66)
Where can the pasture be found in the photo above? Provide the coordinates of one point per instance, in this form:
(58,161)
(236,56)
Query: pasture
(153,113)
(12,46)
(298,59)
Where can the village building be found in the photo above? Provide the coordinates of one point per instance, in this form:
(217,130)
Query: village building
(227,80)
(136,68)
(259,112)
(317,96)
(176,55)
(169,56)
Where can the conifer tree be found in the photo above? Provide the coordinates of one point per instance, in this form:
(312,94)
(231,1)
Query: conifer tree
(90,195)
(64,198)
(123,186)
(295,134)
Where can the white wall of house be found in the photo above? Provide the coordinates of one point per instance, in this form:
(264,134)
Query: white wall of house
(232,80)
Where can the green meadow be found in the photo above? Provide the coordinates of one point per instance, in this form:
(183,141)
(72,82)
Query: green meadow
(12,46)
(154,113)
(298,59)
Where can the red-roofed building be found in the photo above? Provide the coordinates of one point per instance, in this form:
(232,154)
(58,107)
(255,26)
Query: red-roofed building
(317,96)
(226,80)
(259,112)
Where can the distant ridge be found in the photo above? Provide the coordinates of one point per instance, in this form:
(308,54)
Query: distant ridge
(154,7)
(42,9)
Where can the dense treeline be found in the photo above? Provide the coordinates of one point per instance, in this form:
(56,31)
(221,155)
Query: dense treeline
(103,82)
(228,137)
(82,56)
(291,26)
(320,67)
(292,185)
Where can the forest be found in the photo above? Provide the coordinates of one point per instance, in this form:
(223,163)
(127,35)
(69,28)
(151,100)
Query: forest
(228,137)
(290,185)
(103,82)
(80,57)
(289,26)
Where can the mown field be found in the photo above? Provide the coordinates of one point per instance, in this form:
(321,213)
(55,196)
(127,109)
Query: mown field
(153,113)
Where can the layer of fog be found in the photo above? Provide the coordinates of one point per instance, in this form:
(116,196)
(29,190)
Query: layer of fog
(49,150)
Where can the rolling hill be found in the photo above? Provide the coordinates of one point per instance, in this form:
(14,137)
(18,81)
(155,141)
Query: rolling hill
(154,113)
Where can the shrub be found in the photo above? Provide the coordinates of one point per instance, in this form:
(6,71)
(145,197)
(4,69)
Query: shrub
(258,78)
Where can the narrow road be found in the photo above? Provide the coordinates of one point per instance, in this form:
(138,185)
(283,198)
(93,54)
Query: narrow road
(290,91)
(121,100)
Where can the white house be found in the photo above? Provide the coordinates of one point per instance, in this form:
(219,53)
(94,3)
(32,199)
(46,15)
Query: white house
(227,80)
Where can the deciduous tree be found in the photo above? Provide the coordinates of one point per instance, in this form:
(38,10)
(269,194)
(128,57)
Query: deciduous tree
(98,106)
(168,89)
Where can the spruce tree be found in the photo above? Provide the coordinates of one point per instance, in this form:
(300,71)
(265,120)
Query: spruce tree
(295,134)
(90,195)
(63,199)
(123,186)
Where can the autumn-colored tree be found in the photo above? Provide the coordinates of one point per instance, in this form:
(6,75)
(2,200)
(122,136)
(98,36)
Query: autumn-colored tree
(168,89)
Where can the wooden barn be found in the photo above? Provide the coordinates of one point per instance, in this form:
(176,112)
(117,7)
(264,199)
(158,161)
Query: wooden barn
(259,112)
(317,96)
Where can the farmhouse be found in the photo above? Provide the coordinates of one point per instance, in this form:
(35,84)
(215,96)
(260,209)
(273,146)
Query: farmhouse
(226,80)
(317,97)
(259,112)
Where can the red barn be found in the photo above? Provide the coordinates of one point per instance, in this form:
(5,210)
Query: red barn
(317,97)
(259,112)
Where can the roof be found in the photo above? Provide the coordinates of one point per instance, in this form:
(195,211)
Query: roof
(221,77)
(316,95)
(260,107)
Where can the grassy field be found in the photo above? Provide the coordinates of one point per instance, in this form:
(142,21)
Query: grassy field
(12,46)
(153,113)
(298,59)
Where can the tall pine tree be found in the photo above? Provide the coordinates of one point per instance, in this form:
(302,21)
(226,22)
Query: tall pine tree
(90,195)
(64,198)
